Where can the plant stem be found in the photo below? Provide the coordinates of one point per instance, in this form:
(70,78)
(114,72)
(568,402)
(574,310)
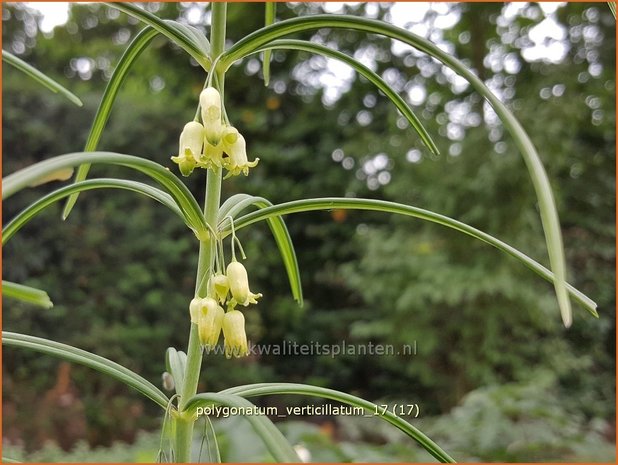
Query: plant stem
(184,425)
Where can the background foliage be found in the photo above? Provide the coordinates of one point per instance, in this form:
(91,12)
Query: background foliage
(490,347)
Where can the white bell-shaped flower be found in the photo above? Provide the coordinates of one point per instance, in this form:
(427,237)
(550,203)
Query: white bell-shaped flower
(194,309)
(209,323)
(219,286)
(189,147)
(237,161)
(239,285)
(235,343)
(210,102)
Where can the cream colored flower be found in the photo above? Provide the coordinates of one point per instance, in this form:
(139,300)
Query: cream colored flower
(209,322)
(194,309)
(210,101)
(189,147)
(219,286)
(213,155)
(235,343)
(239,285)
(236,149)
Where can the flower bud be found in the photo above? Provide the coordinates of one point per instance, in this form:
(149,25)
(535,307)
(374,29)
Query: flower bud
(167,381)
(234,332)
(218,285)
(209,322)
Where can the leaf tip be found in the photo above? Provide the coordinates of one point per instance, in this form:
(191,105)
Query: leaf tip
(68,207)
(565,309)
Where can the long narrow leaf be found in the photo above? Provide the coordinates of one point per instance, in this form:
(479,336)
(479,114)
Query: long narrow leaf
(329,203)
(189,39)
(27,294)
(40,77)
(263,389)
(233,206)
(364,71)
(269,18)
(547,207)
(191,210)
(96,362)
(133,51)
(275,442)
(101,183)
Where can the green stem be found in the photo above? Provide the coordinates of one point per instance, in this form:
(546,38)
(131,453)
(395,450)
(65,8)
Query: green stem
(217,31)
(185,423)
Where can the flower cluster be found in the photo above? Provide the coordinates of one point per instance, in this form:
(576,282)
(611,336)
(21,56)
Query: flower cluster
(211,318)
(213,143)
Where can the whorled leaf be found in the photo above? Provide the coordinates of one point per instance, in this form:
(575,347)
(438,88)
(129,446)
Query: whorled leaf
(23,178)
(540,181)
(329,203)
(82,357)
(26,294)
(269,18)
(133,51)
(367,73)
(30,212)
(263,389)
(40,77)
(188,38)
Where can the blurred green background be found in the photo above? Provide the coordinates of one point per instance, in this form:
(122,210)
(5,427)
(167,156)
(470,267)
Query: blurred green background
(496,375)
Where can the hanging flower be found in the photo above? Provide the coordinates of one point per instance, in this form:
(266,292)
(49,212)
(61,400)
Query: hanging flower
(194,309)
(237,161)
(213,155)
(189,147)
(212,131)
(219,286)
(210,102)
(209,322)
(229,136)
(235,343)
(239,285)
